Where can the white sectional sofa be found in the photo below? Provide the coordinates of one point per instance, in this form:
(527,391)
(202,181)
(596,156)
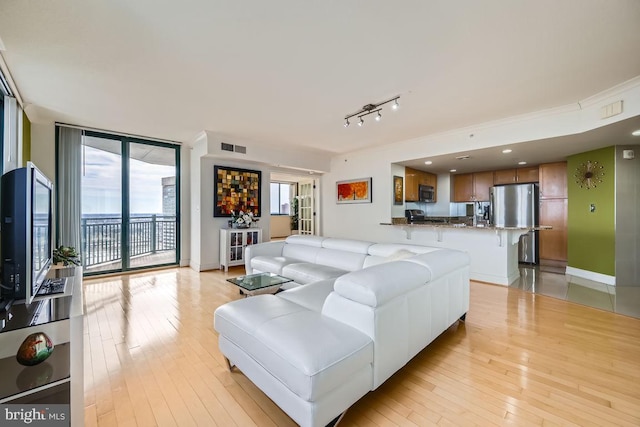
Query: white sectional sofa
(357,313)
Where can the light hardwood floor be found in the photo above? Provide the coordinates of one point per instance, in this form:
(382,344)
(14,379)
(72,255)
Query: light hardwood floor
(151,358)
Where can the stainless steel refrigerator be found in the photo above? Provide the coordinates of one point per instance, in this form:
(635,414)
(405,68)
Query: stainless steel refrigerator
(517,206)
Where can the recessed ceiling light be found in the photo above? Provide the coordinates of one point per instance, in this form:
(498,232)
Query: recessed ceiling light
(507,150)
(452,170)
(522,163)
(428,162)
(636,132)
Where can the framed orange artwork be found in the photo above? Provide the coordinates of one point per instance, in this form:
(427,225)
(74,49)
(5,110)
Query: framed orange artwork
(398,190)
(354,191)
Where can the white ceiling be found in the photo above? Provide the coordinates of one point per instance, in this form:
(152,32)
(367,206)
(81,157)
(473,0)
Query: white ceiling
(287,72)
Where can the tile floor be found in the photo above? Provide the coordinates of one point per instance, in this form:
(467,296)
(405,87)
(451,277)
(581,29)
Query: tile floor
(619,299)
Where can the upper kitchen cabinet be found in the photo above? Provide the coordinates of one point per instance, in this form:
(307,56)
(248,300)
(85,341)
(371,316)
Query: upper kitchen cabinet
(472,187)
(527,175)
(411,183)
(553,180)
(413,179)
(516,176)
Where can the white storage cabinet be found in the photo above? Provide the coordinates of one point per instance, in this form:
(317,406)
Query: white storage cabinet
(232,244)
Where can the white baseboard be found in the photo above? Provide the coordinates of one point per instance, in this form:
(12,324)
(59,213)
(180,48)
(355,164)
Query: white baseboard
(591,275)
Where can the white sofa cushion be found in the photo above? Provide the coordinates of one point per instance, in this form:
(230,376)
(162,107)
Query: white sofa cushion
(356,246)
(347,261)
(305,239)
(310,296)
(271,264)
(305,272)
(309,353)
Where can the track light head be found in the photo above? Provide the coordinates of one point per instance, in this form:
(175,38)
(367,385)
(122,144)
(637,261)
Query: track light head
(378,117)
(395,105)
(346,123)
(361,122)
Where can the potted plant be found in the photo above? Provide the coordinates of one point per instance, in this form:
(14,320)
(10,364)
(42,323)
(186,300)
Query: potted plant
(66,255)
(294,215)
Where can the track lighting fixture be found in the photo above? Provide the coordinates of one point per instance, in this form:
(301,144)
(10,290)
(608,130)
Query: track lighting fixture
(370,109)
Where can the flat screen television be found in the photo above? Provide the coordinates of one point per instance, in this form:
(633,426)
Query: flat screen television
(26,221)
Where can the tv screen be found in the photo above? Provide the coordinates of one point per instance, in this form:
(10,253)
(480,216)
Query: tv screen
(27,244)
(41,250)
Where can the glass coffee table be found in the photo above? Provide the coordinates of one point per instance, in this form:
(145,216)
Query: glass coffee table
(259,283)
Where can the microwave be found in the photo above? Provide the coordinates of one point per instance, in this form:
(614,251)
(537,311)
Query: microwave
(426,193)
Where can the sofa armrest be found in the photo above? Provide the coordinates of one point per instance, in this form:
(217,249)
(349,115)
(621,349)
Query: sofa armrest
(261,249)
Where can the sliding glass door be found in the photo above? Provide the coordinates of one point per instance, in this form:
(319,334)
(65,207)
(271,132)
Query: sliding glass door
(130,203)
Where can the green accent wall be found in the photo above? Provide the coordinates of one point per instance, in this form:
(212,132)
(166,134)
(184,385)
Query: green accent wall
(591,235)
(26,139)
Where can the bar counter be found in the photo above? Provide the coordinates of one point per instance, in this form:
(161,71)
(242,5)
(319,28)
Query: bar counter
(493,250)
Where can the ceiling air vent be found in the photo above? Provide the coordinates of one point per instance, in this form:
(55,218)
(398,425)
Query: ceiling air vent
(226,147)
(465,157)
(241,149)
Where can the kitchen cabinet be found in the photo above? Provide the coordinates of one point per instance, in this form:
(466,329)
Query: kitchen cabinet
(472,187)
(411,183)
(515,176)
(553,212)
(527,175)
(233,242)
(553,243)
(553,180)
(413,179)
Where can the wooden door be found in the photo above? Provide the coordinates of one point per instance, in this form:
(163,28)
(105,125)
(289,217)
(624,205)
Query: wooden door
(463,187)
(411,185)
(505,176)
(553,243)
(527,175)
(482,181)
(553,180)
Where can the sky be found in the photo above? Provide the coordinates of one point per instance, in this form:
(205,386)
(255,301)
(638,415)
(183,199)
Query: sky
(101,184)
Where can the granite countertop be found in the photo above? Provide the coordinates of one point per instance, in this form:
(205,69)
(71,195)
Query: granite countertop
(464,226)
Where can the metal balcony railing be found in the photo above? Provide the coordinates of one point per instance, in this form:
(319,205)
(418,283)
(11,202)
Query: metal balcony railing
(101,237)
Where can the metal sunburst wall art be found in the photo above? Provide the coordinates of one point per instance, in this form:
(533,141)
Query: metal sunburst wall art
(589,175)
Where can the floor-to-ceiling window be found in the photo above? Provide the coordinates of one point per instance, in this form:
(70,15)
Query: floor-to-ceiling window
(130,203)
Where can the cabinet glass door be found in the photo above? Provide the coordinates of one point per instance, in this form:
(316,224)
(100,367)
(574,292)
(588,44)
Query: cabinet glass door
(235,246)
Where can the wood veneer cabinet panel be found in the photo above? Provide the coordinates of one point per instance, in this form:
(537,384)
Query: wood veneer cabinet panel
(504,176)
(553,180)
(432,180)
(553,243)
(482,181)
(463,187)
(411,182)
(527,175)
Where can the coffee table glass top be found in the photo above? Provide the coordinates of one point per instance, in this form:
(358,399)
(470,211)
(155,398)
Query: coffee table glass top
(253,282)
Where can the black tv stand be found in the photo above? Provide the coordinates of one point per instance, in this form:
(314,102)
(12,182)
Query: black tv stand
(5,304)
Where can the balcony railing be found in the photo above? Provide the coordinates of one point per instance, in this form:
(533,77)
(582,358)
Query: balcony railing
(101,237)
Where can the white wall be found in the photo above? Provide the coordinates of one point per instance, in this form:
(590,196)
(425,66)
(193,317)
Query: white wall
(280,226)
(362,221)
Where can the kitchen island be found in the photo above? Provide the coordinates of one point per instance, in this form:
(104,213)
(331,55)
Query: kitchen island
(493,250)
